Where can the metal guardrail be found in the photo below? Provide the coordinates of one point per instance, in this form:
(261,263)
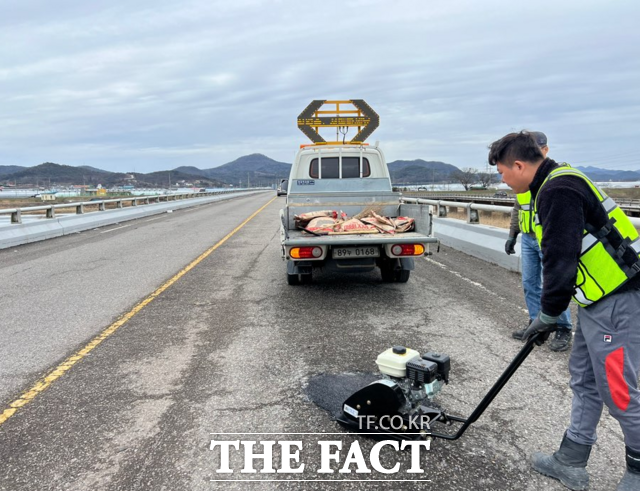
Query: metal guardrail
(50,210)
(630,206)
(472,209)
(37,227)
(464,196)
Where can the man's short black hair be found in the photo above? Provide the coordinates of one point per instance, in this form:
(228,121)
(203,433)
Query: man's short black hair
(515,146)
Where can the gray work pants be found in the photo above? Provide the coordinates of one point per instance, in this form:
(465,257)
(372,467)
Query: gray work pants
(604,368)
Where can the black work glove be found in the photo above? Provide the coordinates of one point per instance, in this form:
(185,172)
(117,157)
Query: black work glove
(545,324)
(510,245)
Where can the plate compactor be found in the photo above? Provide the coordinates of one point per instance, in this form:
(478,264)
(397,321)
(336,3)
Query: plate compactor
(400,406)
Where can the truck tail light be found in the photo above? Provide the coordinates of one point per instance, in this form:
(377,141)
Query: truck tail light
(305,252)
(407,249)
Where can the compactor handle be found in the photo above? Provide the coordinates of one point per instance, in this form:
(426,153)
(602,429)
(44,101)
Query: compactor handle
(493,392)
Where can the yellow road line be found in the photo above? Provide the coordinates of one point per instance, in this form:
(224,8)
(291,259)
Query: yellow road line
(42,384)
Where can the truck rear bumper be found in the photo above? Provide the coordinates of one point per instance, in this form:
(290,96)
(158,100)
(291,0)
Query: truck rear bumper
(362,265)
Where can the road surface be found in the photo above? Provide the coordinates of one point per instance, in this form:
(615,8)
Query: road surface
(226,346)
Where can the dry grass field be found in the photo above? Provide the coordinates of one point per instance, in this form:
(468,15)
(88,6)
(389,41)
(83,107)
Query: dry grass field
(494,219)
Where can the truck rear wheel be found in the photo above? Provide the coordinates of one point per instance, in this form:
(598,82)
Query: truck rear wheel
(388,273)
(297,279)
(402,276)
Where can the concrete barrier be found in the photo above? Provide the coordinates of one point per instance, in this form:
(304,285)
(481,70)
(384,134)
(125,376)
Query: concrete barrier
(14,235)
(481,241)
(48,228)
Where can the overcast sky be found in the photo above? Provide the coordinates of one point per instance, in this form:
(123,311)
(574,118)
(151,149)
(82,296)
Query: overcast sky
(156,84)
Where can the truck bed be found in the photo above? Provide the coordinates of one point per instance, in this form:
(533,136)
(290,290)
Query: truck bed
(422,233)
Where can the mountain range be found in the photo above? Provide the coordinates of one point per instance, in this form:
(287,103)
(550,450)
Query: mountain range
(50,175)
(420,171)
(603,175)
(250,170)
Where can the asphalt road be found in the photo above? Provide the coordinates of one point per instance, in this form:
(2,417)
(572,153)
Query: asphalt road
(229,347)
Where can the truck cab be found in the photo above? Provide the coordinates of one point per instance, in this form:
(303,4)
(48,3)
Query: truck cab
(321,169)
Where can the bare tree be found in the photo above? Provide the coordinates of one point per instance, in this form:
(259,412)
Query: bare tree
(466,177)
(487,178)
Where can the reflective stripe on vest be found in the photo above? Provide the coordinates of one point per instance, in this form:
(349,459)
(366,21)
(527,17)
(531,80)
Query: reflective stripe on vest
(525,214)
(602,268)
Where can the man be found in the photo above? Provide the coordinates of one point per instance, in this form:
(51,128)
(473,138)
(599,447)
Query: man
(522,221)
(591,252)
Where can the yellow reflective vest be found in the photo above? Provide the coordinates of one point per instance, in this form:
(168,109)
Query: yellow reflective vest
(525,213)
(601,267)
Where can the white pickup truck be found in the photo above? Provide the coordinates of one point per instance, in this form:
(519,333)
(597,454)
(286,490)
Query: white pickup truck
(349,178)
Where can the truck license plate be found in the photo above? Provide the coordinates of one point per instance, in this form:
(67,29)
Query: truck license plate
(355,252)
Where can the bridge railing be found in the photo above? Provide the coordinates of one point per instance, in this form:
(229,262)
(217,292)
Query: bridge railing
(630,206)
(473,209)
(50,210)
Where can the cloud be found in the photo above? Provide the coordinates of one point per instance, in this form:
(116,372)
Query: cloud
(160,84)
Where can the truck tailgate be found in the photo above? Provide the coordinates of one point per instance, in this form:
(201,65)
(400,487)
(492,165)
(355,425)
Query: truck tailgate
(298,238)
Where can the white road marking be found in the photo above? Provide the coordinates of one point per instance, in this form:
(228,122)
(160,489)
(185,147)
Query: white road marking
(117,228)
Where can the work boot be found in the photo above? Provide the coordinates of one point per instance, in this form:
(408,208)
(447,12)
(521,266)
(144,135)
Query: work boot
(568,464)
(631,479)
(519,334)
(561,341)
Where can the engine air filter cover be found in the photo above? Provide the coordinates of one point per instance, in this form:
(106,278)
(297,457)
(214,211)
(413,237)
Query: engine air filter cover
(443,361)
(423,371)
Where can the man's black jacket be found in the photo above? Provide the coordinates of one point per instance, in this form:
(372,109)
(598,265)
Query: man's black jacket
(565,205)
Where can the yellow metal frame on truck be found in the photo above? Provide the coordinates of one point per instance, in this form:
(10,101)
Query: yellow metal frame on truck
(360,116)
